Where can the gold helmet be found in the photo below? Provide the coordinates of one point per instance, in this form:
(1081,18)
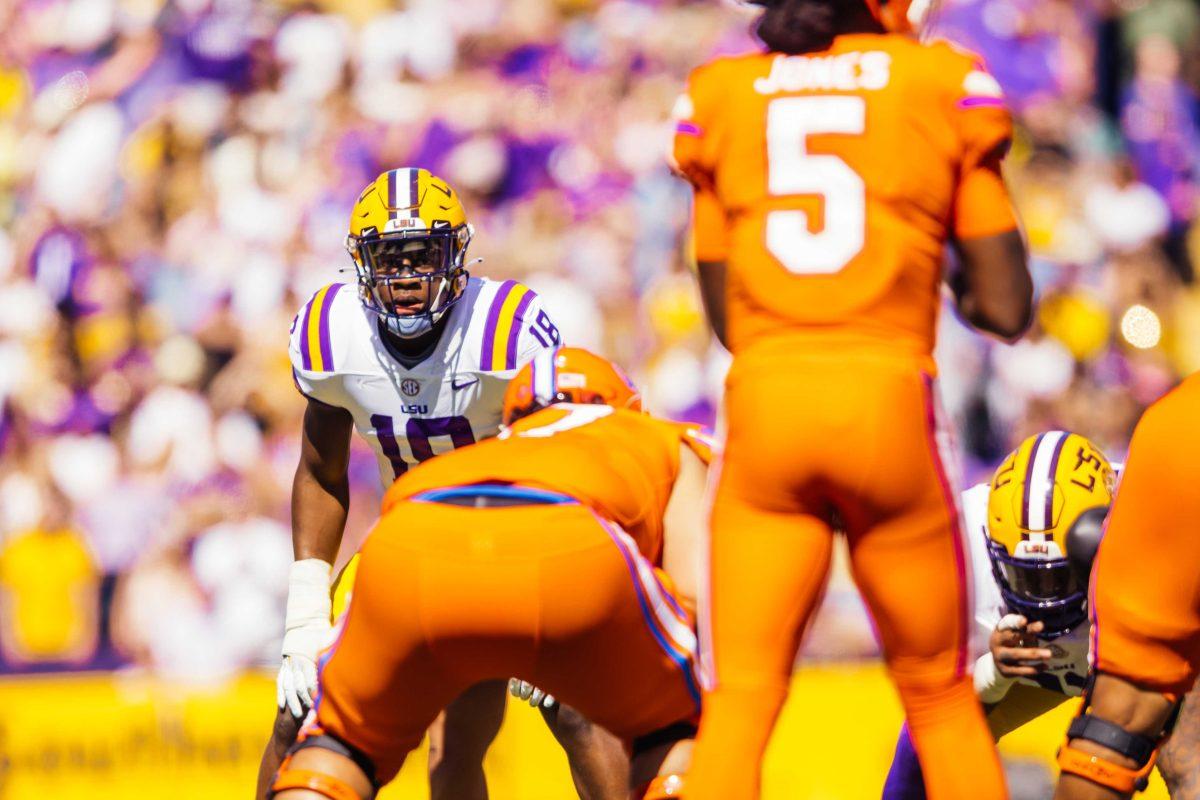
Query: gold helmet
(408,238)
(1046,511)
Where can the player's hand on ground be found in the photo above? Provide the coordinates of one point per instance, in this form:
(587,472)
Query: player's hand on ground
(531,694)
(1015,648)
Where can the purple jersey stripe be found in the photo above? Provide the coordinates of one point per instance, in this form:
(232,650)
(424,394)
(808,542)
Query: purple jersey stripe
(1029,483)
(979,102)
(385,431)
(689,129)
(323,327)
(514,332)
(305,354)
(961,569)
(489,327)
(1058,448)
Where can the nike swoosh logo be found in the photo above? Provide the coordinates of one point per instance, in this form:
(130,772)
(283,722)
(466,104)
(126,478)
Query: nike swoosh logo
(455,385)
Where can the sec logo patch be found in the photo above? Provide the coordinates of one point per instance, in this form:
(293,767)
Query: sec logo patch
(410,388)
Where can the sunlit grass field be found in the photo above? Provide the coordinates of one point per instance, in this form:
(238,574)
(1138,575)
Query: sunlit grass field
(96,737)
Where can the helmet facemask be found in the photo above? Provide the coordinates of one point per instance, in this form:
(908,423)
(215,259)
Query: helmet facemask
(411,278)
(1049,590)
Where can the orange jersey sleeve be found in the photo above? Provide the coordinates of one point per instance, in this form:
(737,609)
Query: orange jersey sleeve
(694,157)
(976,105)
(830,183)
(622,464)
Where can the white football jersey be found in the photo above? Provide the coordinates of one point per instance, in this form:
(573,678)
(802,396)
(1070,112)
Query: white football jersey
(453,398)
(1068,668)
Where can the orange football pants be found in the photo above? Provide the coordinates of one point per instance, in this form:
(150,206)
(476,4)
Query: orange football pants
(1146,580)
(812,439)
(447,596)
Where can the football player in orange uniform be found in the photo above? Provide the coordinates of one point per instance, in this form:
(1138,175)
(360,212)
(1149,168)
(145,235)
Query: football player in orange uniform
(829,174)
(538,555)
(1145,607)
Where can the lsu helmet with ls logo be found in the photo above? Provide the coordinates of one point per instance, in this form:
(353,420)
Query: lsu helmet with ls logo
(1046,510)
(408,238)
(568,375)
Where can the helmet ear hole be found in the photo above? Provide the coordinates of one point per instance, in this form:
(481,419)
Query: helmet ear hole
(1083,540)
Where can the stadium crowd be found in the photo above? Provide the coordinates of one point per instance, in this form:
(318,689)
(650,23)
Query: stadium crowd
(175,179)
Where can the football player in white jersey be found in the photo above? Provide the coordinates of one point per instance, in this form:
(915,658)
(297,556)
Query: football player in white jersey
(415,356)
(1033,533)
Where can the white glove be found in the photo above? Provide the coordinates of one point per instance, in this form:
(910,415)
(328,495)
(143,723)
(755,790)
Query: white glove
(530,693)
(306,631)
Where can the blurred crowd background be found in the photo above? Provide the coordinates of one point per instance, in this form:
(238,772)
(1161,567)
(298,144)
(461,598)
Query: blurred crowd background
(176,177)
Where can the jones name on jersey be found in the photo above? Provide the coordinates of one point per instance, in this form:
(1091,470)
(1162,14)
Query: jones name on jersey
(1066,672)
(450,399)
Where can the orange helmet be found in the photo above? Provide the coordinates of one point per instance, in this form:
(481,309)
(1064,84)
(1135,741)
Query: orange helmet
(901,16)
(897,16)
(568,375)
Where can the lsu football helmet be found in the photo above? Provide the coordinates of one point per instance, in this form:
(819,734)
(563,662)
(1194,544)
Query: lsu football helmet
(1046,509)
(568,375)
(408,238)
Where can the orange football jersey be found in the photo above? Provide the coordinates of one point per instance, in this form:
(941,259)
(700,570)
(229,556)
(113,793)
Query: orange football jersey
(830,183)
(620,463)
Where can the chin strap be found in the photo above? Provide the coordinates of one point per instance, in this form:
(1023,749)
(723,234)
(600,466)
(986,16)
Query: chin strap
(1140,749)
(664,787)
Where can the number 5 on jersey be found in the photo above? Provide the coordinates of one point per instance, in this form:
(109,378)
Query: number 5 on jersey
(792,170)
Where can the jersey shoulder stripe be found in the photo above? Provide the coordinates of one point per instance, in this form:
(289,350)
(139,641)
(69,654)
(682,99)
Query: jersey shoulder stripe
(702,442)
(316,347)
(502,328)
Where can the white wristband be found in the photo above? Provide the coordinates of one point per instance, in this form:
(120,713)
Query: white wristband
(309,605)
(990,685)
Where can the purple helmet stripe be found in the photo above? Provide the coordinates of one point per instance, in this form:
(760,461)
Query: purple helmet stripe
(413,199)
(514,332)
(323,323)
(1028,482)
(1058,448)
(489,326)
(391,193)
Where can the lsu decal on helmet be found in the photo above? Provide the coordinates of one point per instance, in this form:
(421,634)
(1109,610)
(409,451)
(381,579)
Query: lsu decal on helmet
(1046,511)
(408,238)
(897,16)
(568,375)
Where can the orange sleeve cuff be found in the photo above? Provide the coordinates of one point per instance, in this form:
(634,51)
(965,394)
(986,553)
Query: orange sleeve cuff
(710,229)
(982,207)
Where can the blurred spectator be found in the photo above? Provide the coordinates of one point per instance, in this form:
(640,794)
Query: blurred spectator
(49,599)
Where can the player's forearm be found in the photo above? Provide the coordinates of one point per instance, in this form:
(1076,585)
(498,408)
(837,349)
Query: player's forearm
(319,509)
(994,290)
(711,276)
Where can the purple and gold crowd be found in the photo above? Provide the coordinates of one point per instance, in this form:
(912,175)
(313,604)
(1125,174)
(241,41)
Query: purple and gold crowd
(176,178)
